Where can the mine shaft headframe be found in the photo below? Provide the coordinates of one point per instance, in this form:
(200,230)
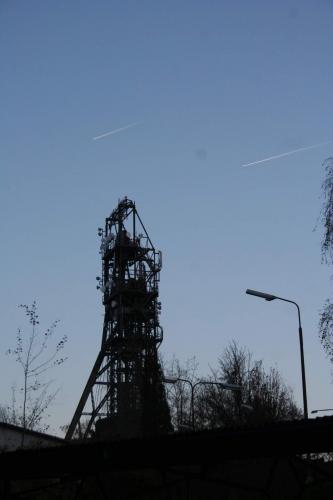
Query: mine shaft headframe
(125,389)
(124,227)
(117,220)
(121,214)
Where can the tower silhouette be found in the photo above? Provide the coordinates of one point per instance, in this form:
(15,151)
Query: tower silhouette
(124,395)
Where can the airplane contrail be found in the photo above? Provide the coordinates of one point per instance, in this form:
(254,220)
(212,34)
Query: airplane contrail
(286,154)
(115,131)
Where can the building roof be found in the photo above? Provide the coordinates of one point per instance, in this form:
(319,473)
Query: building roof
(29,432)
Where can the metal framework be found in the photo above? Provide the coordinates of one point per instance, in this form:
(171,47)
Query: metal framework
(124,395)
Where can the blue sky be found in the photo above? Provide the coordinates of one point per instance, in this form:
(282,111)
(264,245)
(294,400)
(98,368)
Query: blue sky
(214,85)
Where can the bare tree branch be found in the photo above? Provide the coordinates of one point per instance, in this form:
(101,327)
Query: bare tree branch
(264,396)
(326,315)
(36,356)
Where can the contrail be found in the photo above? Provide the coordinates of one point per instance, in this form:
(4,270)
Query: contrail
(115,131)
(286,154)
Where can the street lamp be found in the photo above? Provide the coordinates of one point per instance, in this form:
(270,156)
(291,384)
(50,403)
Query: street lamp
(224,385)
(324,409)
(269,297)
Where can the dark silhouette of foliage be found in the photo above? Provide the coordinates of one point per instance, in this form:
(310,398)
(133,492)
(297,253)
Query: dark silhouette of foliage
(36,355)
(264,396)
(327,212)
(326,328)
(179,394)
(326,316)
(76,436)
(4,414)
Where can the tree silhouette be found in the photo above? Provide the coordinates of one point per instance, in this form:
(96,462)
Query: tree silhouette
(264,396)
(326,316)
(36,355)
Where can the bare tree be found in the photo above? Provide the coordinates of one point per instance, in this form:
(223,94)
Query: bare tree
(327,212)
(76,435)
(179,393)
(4,414)
(264,396)
(326,316)
(36,353)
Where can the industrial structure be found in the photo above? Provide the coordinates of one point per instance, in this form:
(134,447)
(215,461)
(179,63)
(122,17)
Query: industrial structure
(124,396)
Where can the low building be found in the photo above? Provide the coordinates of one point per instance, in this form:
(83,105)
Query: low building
(11,437)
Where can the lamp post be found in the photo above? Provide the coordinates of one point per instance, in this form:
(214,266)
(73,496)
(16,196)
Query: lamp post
(224,385)
(269,297)
(324,409)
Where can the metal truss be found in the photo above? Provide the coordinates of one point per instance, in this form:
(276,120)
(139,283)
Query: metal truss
(124,395)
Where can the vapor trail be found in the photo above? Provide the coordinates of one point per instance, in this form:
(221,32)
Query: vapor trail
(287,153)
(116,130)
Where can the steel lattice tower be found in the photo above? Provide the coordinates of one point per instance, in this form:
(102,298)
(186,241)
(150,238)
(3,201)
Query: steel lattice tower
(124,395)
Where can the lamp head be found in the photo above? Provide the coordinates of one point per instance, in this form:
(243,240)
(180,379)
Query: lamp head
(170,380)
(262,295)
(231,387)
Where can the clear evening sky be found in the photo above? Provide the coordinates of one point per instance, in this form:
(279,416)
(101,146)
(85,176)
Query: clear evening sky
(212,85)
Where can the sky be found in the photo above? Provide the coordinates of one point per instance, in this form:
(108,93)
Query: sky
(210,86)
